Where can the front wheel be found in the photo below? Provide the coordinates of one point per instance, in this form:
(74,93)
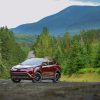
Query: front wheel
(16,80)
(56,78)
(37,78)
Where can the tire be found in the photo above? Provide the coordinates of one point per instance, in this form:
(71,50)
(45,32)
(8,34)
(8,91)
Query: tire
(56,77)
(16,80)
(37,78)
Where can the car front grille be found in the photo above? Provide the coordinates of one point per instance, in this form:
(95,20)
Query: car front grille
(21,76)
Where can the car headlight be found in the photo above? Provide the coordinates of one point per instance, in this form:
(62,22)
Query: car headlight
(13,69)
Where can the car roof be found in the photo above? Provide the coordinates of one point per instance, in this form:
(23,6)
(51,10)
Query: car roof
(40,59)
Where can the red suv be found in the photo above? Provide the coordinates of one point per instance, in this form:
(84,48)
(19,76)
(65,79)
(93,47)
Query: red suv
(36,69)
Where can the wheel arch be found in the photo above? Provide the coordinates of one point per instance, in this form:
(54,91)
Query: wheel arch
(58,71)
(38,71)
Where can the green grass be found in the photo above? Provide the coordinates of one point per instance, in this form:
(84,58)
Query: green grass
(87,77)
(89,70)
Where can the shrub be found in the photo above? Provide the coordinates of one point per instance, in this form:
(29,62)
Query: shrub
(89,70)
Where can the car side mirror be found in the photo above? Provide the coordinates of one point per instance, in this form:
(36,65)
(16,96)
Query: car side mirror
(57,63)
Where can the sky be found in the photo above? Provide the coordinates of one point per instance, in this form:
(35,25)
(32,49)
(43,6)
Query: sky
(16,12)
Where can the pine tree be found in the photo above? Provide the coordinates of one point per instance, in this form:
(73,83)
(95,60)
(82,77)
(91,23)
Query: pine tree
(11,52)
(43,47)
(75,58)
(67,41)
(97,59)
(2,67)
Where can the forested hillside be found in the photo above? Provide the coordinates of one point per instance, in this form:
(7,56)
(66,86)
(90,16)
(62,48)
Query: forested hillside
(76,54)
(10,52)
(25,39)
(72,19)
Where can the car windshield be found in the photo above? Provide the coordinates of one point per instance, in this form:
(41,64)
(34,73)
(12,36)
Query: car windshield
(33,61)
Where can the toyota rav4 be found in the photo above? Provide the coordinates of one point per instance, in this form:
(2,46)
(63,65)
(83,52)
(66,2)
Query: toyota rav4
(36,69)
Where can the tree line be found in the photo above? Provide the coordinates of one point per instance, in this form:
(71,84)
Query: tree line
(10,52)
(71,52)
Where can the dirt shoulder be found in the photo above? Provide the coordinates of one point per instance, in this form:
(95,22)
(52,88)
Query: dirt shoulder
(27,90)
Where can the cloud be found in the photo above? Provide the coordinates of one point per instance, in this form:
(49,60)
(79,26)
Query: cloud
(16,12)
(94,1)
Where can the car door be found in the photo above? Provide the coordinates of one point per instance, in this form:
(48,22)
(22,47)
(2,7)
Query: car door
(45,69)
(51,68)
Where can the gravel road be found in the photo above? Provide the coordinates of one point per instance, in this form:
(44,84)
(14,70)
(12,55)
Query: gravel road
(31,54)
(46,90)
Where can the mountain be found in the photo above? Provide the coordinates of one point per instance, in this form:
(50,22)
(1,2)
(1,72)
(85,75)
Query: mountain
(72,19)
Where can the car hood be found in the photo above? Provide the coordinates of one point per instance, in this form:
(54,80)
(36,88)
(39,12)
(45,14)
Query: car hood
(23,66)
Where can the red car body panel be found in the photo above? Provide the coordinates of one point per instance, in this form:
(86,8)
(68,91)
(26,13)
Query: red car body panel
(47,71)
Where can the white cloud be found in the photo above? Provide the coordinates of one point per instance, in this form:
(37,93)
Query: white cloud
(15,12)
(94,1)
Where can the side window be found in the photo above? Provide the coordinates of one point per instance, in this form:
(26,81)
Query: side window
(51,63)
(44,64)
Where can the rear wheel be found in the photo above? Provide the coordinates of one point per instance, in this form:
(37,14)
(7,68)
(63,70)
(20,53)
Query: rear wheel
(37,78)
(16,80)
(56,78)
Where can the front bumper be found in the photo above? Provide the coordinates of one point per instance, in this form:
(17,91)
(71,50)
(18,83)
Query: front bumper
(21,75)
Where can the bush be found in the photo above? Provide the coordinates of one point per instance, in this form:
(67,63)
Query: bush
(89,70)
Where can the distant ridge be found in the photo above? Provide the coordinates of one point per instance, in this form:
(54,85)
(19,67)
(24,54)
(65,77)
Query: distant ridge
(72,19)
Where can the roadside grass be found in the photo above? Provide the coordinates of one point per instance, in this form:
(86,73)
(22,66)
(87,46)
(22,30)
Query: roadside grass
(87,77)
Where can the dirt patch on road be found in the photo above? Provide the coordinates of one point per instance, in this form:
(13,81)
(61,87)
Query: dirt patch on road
(49,91)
